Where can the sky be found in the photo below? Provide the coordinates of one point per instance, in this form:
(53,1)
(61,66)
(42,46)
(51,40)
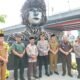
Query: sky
(11,8)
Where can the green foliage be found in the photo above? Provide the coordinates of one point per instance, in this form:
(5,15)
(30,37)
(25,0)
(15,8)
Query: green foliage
(2,18)
(74,65)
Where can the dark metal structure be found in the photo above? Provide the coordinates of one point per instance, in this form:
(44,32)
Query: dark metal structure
(33,16)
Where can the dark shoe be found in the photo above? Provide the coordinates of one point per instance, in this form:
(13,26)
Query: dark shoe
(40,75)
(22,79)
(63,74)
(47,74)
(56,72)
(36,77)
(78,76)
(51,73)
(70,75)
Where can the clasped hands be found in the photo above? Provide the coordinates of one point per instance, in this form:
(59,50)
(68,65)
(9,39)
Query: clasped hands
(66,53)
(21,55)
(33,56)
(3,59)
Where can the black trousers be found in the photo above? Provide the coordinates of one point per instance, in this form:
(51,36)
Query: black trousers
(78,65)
(66,61)
(18,64)
(43,60)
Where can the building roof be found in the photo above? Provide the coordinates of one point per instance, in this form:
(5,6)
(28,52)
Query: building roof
(65,21)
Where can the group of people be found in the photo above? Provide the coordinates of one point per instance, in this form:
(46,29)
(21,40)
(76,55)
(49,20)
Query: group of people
(44,52)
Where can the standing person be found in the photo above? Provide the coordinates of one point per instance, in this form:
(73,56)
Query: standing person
(53,54)
(18,49)
(66,49)
(43,48)
(77,53)
(3,56)
(32,53)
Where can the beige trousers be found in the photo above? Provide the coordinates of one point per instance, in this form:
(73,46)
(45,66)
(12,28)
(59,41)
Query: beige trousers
(53,62)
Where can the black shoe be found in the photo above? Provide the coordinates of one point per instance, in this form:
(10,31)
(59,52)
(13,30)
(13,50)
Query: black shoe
(40,75)
(22,79)
(63,74)
(78,76)
(47,74)
(56,72)
(36,77)
(70,75)
(51,73)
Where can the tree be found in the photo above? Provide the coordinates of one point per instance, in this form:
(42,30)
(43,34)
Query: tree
(2,18)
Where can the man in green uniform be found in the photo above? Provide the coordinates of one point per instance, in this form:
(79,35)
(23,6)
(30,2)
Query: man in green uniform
(18,49)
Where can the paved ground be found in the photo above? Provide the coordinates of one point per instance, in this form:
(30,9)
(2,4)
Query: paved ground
(53,77)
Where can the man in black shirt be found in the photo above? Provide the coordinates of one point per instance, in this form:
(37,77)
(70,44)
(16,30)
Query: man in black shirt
(66,49)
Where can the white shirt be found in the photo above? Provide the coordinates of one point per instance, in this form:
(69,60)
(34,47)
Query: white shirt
(43,47)
(77,50)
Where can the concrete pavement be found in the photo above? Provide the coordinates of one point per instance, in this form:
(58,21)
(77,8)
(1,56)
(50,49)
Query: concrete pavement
(52,77)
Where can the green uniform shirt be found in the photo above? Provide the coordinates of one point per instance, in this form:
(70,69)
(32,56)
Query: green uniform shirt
(18,47)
